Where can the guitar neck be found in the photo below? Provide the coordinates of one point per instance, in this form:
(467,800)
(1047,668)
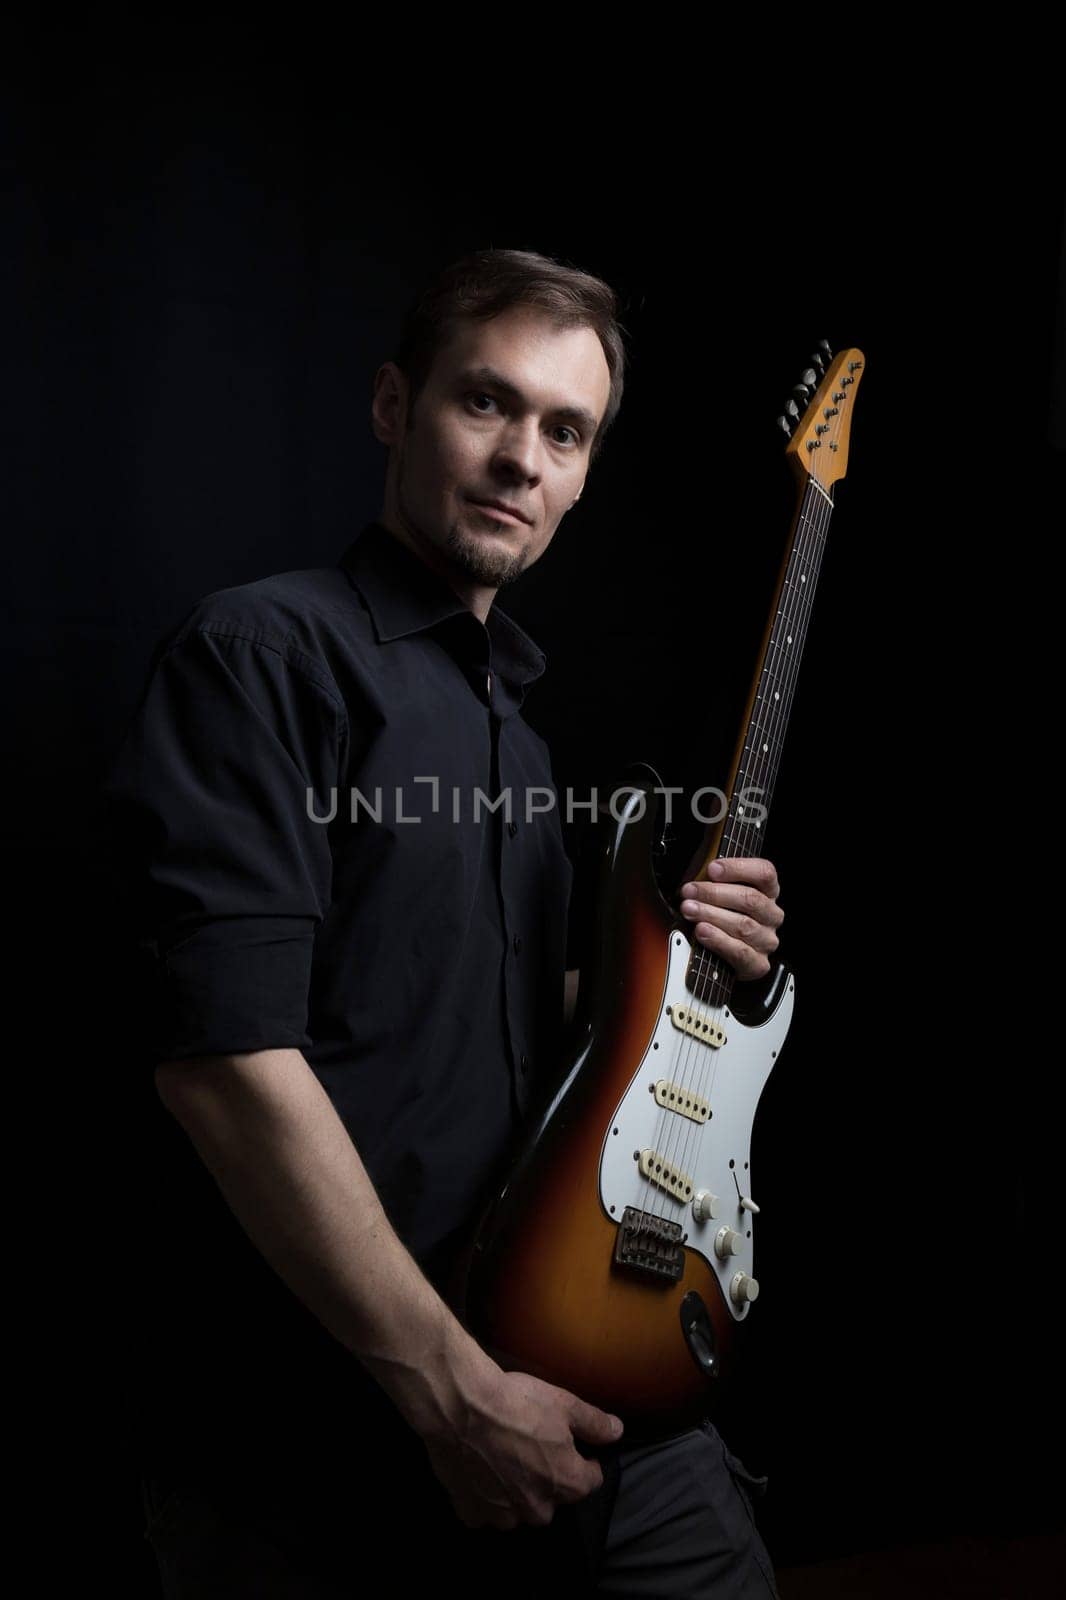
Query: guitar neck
(757,758)
(764,724)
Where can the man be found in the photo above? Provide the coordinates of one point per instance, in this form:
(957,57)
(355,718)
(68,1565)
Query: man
(355,1007)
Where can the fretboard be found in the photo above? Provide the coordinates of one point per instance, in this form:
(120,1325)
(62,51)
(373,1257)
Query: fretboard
(759,751)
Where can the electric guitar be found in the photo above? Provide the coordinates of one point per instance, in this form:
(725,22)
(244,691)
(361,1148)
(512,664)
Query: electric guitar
(617,1260)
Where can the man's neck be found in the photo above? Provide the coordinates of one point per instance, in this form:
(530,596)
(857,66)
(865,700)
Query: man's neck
(476,597)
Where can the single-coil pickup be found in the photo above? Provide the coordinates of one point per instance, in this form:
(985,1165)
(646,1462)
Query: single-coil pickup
(656,1168)
(691,1020)
(684,1101)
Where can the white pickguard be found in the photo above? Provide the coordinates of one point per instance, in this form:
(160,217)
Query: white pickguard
(716,1152)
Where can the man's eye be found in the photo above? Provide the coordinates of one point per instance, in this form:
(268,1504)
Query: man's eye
(562,428)
(476,397)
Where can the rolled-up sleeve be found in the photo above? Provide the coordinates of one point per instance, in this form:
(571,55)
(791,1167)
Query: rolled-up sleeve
(211,806)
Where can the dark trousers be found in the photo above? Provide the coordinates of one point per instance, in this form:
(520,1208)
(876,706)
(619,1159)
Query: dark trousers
(672,1521)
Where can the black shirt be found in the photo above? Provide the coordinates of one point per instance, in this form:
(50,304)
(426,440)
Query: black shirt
(339,835)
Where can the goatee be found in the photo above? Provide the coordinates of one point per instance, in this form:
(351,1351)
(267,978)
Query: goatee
(494,568)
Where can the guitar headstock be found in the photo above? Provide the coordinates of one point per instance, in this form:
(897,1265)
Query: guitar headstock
(817,415)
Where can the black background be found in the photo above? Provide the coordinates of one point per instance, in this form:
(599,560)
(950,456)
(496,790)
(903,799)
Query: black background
(210,261)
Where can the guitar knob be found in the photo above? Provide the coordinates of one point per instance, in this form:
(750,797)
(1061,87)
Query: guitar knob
(801,393)
(810,378)
(823,345)
(783,424)
(816,357)
(704,1205)
(727,1242)
(743,1289)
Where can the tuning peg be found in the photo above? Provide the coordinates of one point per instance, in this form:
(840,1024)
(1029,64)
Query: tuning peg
(801,393)
(810,378)
(792,411)
(782,422)
(823,345)
(816,357)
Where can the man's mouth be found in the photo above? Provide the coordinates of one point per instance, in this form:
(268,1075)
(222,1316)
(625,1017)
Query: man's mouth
(500,511)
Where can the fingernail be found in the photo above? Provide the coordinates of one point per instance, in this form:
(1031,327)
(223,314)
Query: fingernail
(715,870)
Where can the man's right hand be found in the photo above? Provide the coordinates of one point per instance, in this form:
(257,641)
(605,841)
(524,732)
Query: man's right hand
(513,1459)
(502,1443)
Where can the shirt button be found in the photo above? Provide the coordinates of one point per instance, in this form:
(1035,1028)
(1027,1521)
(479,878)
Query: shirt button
(517,941)
(524,1065)
(512,828)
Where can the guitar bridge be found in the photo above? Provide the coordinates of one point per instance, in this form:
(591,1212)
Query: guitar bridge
(649,1244)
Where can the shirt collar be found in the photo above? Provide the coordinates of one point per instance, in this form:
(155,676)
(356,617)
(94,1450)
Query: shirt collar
(405,596)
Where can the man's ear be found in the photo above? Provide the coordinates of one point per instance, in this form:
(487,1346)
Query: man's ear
(388,409)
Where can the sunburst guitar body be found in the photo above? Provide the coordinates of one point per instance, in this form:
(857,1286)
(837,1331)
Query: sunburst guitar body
(617,1261)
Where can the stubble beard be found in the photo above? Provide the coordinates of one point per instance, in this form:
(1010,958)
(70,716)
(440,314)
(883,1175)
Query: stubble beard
(493,568)
(477,562)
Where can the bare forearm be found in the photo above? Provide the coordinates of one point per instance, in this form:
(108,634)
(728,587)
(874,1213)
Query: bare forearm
(269,1134)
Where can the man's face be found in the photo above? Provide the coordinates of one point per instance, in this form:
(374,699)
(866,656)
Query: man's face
(507,413)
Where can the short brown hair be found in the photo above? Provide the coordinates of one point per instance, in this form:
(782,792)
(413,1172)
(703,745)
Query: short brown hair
(489,282)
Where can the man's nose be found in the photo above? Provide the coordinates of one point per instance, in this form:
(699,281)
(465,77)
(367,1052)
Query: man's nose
(519,449)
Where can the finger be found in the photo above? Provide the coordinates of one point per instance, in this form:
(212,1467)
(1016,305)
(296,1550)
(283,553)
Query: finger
(539,1516)
(746,962)
(756,935)
(587,1475)
(735,897)
(756,870)
(593,1425)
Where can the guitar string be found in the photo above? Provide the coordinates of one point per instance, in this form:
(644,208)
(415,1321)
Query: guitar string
(675,1134)
(812,524)
(740,837)
(687,1133)
(810,532)
(745,836)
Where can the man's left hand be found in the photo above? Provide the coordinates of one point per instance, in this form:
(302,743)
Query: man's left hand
(734,906)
